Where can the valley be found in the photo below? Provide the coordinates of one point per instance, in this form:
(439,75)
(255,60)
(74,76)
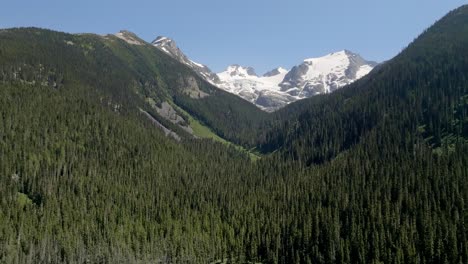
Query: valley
(113,150)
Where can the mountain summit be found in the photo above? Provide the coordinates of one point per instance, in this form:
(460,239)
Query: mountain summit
(279,87)
(170,47)
(129,37)
(240,71)
(325,74)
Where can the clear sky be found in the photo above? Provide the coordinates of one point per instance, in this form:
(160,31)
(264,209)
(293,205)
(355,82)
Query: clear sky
(263,34)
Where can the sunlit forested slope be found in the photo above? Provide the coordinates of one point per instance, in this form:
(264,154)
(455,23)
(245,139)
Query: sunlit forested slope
(373,173)
(421,93)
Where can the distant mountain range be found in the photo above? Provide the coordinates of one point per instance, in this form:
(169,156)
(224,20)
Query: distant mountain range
(279,87)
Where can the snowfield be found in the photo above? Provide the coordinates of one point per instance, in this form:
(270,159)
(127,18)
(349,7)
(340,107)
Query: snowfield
(280,86)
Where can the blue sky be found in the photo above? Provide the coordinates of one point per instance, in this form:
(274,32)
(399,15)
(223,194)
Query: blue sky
(259,33)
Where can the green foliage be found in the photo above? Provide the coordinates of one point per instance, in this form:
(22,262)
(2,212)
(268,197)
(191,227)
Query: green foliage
(202,131)
(229,117)
(424,88)
(24,200)
(374,173)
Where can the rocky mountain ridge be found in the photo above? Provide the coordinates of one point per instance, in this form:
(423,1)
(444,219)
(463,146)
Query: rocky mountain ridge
(279,87)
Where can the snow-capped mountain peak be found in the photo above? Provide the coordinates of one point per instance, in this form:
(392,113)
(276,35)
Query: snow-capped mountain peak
(170,47)
(325,74)
(237,71)
(263,91)
(160,39)
(279,86)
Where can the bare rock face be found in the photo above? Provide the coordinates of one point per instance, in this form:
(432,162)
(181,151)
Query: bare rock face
(271,100)
(169,46)
(189,86)
(169,113)
(167,132)
(294,77)
(274,72)
(130,37)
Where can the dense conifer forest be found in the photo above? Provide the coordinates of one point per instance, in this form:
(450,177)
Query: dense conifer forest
(376,172)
